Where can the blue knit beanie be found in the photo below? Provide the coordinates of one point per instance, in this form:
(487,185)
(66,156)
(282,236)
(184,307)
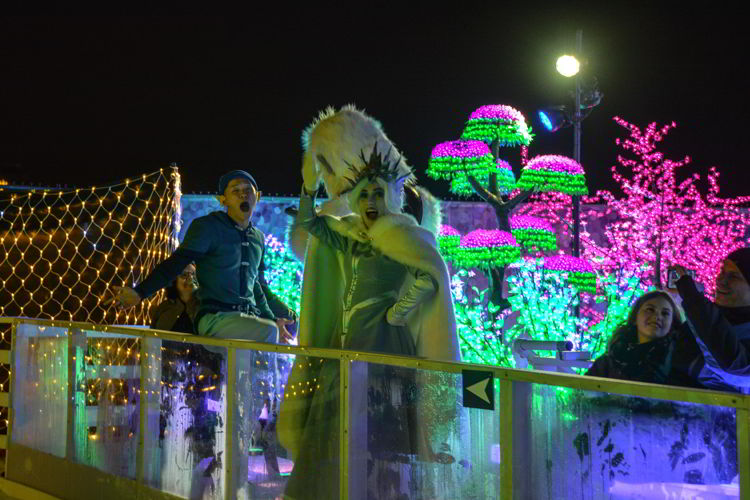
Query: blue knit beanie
(235,174)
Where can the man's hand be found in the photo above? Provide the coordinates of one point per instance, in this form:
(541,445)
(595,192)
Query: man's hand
(284,336)
(310,173)
(123,297)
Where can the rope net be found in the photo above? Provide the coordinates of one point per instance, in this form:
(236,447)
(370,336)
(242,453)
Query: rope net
(63,251)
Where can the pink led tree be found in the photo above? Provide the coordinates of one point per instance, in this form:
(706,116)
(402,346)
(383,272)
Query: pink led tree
(661,220)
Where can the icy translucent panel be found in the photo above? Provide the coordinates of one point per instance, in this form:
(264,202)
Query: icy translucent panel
(297,450)
(261,465)
(106,400)
(411,437)
(587,445)
(40,388)
(186,420)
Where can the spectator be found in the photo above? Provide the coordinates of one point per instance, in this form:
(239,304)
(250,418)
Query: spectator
(722,327)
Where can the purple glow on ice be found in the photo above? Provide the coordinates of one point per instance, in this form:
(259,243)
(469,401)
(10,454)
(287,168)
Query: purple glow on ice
(529,222)
(555,163)
(497,112)
(488,238)
(461,149)
(446,230)
(567,263)
(214,406)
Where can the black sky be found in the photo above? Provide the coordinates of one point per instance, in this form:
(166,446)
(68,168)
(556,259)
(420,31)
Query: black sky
(87,100)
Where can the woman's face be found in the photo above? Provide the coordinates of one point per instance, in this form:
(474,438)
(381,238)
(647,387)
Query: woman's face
(186,281)
(371,203)
(654,319)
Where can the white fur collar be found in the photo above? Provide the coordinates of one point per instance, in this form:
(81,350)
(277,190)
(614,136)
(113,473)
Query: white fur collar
(353,227)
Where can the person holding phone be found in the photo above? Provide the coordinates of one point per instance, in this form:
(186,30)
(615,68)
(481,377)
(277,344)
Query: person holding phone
(722,327)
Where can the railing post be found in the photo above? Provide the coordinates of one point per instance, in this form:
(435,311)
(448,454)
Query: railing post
(344,374)
(140,456)
(506,438)
(11,384)
(743,451)
(229,494)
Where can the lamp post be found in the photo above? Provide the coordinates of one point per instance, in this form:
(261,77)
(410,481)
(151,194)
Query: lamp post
(569,66)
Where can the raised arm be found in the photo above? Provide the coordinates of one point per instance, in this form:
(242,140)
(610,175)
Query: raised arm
(710,325)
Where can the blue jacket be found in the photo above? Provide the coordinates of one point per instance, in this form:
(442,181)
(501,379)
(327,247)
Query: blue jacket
(228,263)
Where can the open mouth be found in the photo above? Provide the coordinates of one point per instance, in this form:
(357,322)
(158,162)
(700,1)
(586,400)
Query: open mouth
(245,206)
(371,214)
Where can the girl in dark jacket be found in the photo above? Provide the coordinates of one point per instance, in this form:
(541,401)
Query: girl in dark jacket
(177,312)
(651,346)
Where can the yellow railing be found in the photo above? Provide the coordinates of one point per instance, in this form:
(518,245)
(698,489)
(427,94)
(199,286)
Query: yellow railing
(513,394)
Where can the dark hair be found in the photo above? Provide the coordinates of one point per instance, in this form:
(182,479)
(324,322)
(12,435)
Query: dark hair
(171,290)
(630,322)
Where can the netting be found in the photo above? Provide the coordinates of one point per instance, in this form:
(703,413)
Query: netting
(62,251)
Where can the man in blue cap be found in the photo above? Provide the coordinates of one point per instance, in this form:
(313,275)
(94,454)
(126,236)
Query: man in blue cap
(228,252)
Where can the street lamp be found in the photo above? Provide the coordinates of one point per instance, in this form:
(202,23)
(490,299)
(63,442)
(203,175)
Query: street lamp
(554,118)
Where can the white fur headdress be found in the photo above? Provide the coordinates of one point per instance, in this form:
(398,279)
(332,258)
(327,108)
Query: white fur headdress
(335,141)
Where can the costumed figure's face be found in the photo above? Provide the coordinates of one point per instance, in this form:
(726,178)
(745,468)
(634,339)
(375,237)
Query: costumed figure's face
(240,198)
(654,319)
(186,281)
(732,289)
(371,203)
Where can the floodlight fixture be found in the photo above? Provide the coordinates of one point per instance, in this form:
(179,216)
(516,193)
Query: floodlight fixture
(553,118)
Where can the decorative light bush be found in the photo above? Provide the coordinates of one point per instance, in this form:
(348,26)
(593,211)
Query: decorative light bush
(579,272)
(455,160)
(504,125)
(553,173)
(533,233)
(484,248)
(448,240)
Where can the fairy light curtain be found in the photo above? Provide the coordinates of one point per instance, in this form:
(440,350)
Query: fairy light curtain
(61,251)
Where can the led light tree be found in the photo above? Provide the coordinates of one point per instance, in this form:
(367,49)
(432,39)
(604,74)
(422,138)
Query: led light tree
(466,164)
(661,220)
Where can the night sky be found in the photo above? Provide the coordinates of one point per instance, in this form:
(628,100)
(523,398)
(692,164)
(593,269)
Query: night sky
(88,101)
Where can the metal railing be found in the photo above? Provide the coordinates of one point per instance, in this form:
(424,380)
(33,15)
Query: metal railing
(513,388)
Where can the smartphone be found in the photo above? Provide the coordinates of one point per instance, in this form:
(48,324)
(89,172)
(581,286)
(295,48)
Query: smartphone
(673,277)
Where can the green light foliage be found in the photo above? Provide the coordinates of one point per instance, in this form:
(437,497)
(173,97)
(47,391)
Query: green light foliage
(283,273)
(447,246)
(485,257)
(545,304)
(545,180)
(479,322)
(507,133)
(536,239)
(456,169)
(619,292)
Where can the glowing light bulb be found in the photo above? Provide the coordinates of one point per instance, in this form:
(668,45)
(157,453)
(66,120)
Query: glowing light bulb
(567,65)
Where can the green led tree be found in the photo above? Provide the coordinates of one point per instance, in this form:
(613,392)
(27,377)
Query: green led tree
(473,166)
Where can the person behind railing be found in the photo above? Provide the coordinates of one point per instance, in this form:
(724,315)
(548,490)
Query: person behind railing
(721,327)
(650,346)
(177,311)
(377,283)
(228,252)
